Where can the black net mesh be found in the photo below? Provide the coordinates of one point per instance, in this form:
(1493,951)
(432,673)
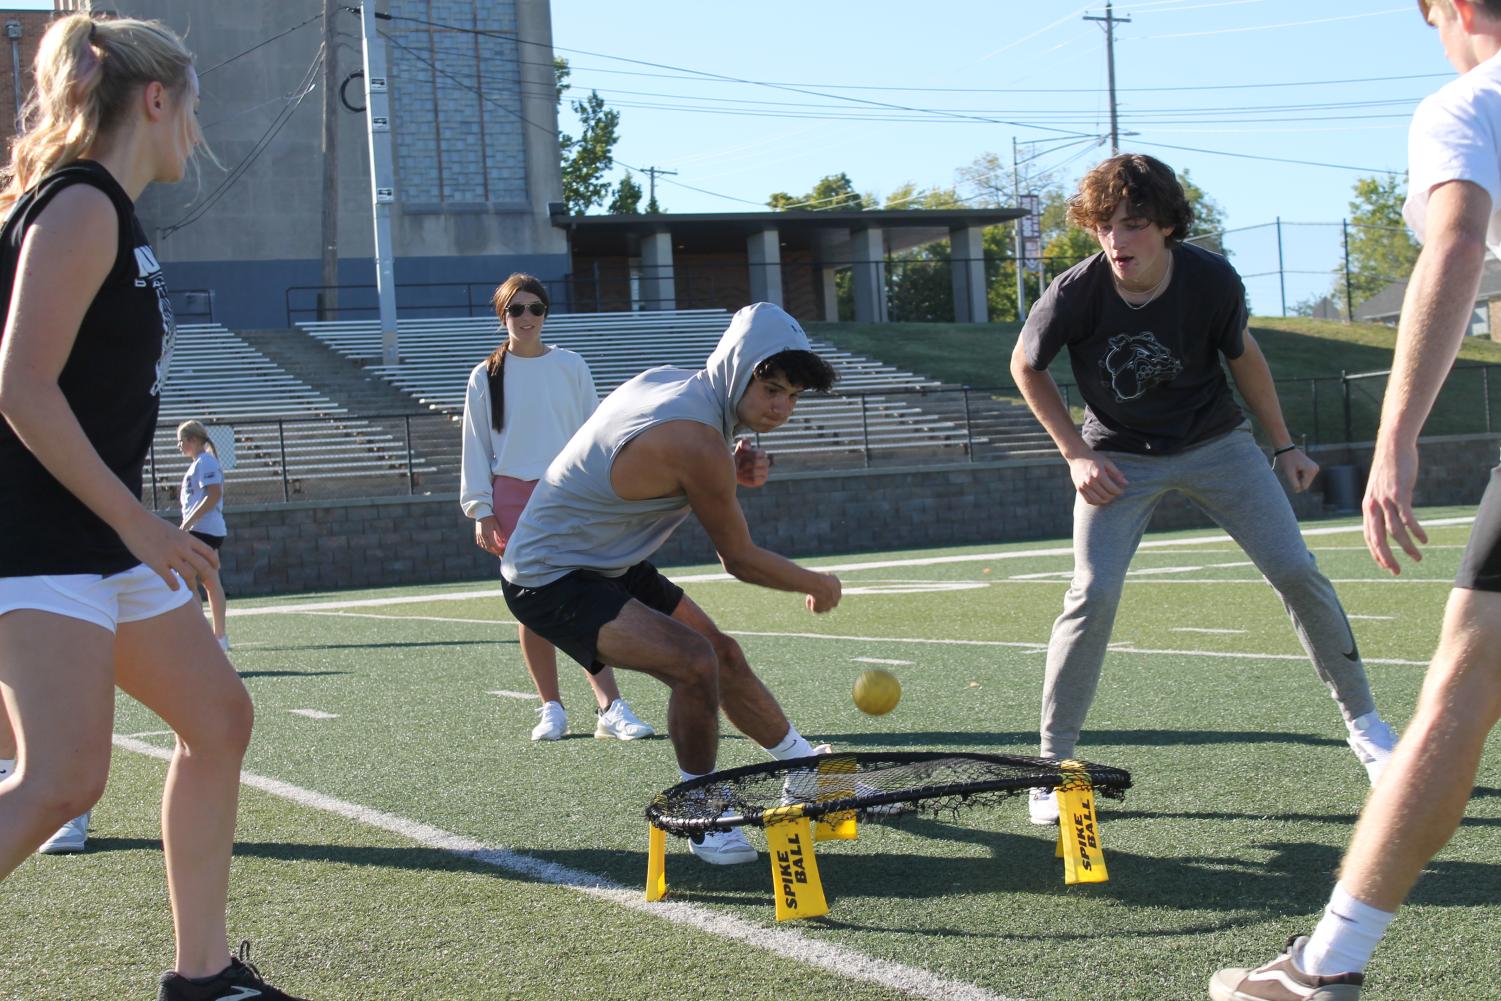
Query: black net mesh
(873,786)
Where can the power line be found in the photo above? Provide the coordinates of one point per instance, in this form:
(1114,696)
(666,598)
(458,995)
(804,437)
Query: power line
(1271,159)
(257,45)
(293,103)
(707,75)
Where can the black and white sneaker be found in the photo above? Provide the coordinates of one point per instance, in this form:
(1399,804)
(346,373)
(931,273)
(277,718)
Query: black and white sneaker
(239,981)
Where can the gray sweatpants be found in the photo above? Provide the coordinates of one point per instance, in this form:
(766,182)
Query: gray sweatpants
(1229,479)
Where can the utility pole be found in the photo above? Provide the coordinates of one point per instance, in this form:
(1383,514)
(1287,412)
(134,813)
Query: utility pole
(328,295)
(382,187)
(651,173)
(1016,229)
(1110,21)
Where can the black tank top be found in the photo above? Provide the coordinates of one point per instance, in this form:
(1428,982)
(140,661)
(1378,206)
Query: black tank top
(112,380)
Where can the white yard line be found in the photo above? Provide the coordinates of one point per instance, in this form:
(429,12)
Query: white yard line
(1205,629)
(782,943)
(1126,648)
(881,660)
(313,713)
(529,696)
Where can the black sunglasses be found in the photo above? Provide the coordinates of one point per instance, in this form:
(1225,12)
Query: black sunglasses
(515,309)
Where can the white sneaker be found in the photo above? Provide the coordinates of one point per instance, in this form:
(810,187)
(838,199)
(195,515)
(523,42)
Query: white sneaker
(224,643)
(620,723)
(722,847)
(1042,807)
(71,837)
(1373,742)
(803,786)
(553,722)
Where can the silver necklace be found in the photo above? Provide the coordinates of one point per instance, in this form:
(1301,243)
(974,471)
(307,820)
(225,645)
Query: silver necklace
(1152,293)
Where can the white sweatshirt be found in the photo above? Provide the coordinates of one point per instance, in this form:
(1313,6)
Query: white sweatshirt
(546,400)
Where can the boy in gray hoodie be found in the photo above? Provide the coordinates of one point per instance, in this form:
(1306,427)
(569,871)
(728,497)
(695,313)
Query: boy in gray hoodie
(576,569)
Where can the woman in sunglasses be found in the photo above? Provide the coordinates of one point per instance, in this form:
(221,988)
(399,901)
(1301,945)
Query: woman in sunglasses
(522,405)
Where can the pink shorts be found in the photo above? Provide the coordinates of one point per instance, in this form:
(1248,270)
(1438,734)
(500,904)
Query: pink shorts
(510,497)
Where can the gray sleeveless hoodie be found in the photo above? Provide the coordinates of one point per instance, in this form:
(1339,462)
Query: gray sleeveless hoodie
(575,520)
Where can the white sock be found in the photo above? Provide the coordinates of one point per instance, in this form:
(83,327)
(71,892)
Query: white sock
(1345,937)
(690,776)
(794,745)
(7,765)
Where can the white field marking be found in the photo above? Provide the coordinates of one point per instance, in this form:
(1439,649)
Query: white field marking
(925,587)
(409,599)
(1202,629)
(1033,647)
(1363,549)
(313,713)
(405,618)
(530,696)
(880,660)
(833,567)
(782,943)
(154,733)
(1373,618)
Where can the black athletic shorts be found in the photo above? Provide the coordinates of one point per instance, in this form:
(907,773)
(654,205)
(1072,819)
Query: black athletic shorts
(214,541)
(570,611)
(1480,570)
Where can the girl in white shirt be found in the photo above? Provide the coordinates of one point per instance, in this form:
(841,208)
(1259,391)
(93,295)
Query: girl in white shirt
(522,405)
(202,500)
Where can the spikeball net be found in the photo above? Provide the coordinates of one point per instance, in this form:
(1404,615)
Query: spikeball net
(872,786)
(826,797)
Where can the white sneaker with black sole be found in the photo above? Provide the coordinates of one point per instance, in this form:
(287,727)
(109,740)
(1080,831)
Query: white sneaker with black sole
(730,847)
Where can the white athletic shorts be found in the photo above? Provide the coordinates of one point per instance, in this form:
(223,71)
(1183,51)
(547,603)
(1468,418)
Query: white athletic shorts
(138,593)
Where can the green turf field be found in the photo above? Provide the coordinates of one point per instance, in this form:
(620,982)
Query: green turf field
(420,847)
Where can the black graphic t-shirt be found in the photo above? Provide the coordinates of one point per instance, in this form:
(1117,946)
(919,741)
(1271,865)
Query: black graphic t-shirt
(1151,378)
(112,381)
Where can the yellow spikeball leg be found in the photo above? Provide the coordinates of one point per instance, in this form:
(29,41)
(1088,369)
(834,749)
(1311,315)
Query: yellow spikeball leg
(877,692)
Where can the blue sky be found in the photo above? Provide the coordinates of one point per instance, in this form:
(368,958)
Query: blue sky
(1241,78)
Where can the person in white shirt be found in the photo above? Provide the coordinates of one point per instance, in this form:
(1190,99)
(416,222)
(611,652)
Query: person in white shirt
(202,501)
(522,405)
(1454,208)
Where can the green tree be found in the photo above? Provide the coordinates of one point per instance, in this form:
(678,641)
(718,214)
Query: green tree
(588,158)
(1381,250)
(1208,227)
(919,285)
(627,200)
(835,191)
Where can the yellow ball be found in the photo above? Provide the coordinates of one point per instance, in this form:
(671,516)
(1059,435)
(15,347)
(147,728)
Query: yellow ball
(877,692)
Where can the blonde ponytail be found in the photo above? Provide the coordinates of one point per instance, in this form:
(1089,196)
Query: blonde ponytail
(86,72)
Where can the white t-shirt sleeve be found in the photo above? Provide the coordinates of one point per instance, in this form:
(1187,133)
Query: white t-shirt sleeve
(1451,139)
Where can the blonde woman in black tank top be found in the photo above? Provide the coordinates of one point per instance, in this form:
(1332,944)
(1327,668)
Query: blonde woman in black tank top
(92,593)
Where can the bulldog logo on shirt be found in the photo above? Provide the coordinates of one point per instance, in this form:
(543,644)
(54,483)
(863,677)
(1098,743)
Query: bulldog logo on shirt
(1136,363)
(149,273)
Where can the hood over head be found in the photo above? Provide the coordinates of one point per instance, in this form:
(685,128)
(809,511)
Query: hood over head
(755,333)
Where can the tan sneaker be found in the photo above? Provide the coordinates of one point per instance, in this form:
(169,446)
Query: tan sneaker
(1281,980)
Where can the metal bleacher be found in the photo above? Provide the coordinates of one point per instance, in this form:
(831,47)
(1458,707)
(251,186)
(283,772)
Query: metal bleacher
(284,431)
(873,410)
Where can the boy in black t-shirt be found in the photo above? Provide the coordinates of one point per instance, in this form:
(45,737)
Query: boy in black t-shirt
(1146,323)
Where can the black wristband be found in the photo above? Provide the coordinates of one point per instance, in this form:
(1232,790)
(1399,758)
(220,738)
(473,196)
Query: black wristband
(1283,450)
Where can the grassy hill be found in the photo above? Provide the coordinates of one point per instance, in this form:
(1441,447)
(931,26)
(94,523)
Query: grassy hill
(1307,357)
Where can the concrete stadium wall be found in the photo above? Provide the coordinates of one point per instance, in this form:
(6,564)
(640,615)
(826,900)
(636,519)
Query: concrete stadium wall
(288,548)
